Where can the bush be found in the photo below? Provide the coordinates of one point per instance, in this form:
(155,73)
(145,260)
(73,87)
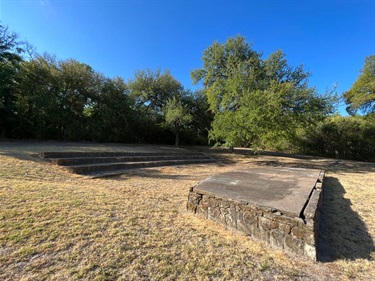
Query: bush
(340,137)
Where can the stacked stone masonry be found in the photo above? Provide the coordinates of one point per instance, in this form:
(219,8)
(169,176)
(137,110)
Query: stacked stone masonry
(296,235)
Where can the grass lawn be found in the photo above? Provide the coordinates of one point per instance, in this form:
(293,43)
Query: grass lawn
(55,225)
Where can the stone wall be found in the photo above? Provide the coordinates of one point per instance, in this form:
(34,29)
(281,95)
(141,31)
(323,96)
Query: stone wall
(297,235)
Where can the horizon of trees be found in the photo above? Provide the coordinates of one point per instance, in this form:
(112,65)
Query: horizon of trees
(44,98)
(245,101)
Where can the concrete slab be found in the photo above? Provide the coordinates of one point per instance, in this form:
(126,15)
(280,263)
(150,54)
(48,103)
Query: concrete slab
(280,206)
(286,190)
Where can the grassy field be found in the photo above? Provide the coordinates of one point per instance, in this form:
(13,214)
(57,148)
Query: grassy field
(59,226)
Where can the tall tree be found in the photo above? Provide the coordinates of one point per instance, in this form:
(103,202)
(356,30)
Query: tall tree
(256,102)
(111,113)
(80,86)
(197,130)
(361,96)
(11,50)
(53,98)
(39,100)
(177,116)
(152,89)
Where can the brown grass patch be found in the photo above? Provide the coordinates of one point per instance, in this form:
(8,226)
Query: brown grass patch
(59,226)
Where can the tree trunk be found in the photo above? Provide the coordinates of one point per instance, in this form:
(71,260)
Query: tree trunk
(177,142)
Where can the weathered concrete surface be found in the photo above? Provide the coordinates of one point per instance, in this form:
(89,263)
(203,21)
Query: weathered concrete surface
(283,189)
(280,206)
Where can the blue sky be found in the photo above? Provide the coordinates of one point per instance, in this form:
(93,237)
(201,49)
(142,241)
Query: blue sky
(116,37)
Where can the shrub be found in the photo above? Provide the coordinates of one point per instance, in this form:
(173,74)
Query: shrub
(340,137)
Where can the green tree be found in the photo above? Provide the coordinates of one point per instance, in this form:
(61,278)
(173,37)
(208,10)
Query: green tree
(10,58)
(197,130)
(152,89)
(39,100)
(112,116)
(349,137)
(177,116)
(361,96)
(256,102)
(80,85)
(54,97)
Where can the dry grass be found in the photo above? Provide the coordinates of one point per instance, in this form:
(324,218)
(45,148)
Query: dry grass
(59,226)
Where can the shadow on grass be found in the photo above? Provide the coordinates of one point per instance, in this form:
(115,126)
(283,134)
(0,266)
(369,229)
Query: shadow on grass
(160,173)
(330,165)
(343,235)
(154,173)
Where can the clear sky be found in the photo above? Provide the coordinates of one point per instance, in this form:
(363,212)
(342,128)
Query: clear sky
(330,38)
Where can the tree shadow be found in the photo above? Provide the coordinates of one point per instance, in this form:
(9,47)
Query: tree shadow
(173,172)
(343,234)
(154,173)
(330,165)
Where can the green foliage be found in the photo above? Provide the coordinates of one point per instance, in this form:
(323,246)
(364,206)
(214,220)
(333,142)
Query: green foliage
(256,102)
(10,58)
(177,116)
(152,89)
(160,99)
(38,100)
(68,100)
(79,86)
(53,98)
(340,137)
(197,130)
(10,48)
(46,98)
(228,70)
(361,95)
(111,113)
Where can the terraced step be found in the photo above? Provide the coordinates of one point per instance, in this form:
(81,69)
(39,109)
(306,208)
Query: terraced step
(104,170)
(121,159)
(54,155)
(101,164)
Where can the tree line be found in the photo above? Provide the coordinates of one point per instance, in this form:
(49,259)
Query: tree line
(49,99)
(244,100)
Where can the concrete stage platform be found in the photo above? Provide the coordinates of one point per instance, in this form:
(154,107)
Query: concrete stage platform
(280,206)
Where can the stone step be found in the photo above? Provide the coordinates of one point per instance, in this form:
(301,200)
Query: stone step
(121,159)
(59,155)
(105,169)
(111,173)
(101,164)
